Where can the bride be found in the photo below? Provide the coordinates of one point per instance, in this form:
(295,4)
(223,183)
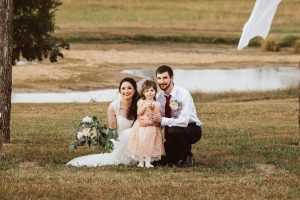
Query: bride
(121,115)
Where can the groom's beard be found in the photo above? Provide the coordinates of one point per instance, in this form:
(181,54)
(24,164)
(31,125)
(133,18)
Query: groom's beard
(166,86)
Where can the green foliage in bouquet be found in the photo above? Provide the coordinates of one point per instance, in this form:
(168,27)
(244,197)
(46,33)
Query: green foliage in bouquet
(90,132)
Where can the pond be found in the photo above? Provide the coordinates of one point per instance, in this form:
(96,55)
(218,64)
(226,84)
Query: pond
(195,80)
(222,80)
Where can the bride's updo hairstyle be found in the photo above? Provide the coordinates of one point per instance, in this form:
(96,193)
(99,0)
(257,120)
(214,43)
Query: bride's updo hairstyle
(132,112)
(147,84)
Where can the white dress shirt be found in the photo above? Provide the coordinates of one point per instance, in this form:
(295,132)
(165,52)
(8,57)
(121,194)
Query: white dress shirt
(181,117)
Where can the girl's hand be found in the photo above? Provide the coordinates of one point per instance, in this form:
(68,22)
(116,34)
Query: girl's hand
(149,105)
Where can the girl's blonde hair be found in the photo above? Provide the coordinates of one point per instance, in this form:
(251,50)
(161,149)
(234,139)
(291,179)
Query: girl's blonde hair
(146,85)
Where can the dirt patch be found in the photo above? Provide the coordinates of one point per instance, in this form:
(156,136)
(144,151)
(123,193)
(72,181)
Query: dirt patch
(28,165)
(39,71)
(269,170)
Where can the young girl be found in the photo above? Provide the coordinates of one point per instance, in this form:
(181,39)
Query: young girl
(145,143)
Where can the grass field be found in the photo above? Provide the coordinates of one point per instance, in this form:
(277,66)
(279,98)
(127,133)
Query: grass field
(248,151)
(249,148)
(202,21)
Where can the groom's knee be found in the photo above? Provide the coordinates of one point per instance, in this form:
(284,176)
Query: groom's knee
(195,134)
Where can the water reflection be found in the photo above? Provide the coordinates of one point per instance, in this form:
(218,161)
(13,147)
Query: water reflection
(206,80)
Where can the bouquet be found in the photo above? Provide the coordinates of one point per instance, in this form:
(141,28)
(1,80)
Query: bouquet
(91,132)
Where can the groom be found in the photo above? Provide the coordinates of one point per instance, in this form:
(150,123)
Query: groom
(182,126)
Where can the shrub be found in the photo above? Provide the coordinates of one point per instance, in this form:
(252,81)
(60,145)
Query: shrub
(296,46)
(255,42)
(270,44)
(288,41)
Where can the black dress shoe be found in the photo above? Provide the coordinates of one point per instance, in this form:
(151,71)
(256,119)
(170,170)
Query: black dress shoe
(189,161)
(155,163)
(162,162)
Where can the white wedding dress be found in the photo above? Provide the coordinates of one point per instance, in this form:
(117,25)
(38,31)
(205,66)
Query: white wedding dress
(118,155)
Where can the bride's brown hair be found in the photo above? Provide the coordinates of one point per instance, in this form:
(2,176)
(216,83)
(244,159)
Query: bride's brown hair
(147,84)
(132,112)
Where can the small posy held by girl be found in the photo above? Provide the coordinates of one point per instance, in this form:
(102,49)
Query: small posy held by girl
(145,144)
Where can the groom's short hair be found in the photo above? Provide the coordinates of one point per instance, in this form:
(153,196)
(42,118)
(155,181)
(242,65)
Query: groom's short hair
(164,68)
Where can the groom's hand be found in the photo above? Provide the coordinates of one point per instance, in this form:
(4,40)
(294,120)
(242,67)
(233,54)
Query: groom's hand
(155,117)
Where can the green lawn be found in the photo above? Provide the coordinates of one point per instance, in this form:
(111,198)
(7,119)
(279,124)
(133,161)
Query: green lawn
(249,150)
(204,21)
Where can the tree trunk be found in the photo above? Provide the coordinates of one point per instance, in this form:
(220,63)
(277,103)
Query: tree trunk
(6,34)
(299,107)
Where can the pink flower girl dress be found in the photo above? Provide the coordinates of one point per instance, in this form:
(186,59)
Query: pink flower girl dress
(145,143)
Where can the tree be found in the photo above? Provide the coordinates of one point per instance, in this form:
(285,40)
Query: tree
(33,25)
(6,34)
(32,38)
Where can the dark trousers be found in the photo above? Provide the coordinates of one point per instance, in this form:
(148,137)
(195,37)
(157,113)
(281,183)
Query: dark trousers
(179,142)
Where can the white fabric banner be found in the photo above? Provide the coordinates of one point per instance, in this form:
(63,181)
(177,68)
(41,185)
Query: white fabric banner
(259,22)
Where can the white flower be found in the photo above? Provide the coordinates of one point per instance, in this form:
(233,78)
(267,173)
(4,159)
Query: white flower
(86,132)
(87,119)
(93,133)
(175,105)
(79,135)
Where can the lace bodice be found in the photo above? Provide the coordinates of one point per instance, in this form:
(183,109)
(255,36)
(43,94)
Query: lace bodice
(122,122)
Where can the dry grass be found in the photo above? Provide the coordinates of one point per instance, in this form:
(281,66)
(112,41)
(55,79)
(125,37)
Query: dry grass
(89,67)
(248,151)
